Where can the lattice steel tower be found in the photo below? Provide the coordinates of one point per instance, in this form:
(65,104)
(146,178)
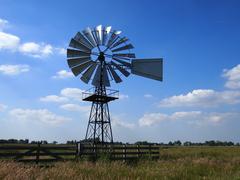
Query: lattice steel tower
(99,125)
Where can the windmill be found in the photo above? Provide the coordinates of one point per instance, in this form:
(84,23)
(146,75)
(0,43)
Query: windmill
(100,55)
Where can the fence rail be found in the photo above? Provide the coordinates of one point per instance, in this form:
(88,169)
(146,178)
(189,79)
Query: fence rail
(48,153)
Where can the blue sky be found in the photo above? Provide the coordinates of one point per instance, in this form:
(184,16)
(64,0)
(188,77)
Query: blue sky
(197,101)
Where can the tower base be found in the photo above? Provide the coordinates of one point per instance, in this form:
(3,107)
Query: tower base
(99,128)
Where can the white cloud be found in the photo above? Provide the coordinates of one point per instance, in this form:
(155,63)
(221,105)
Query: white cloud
(53,98)
(74,93)
(196,117)
(8,69)
(3,107)
(152,118)
(36,50)
(202,98)
(9,41)
(123,96)
(66,94)
(185,115)
(3,24)
(37,115)
(148,95)
(118,122)
(233,77)
(215,118)
(61,51)
(209,97)
(75,107)
(63,74)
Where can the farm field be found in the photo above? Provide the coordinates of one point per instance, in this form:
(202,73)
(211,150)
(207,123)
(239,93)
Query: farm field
(174,163)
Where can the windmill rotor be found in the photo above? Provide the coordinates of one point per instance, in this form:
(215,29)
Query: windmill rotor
(84,51)
(99,55)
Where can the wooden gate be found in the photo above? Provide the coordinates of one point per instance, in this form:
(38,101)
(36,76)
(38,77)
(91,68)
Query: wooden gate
(38,152)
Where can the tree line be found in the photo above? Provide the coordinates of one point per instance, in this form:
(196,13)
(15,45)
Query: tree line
(170,143)
(189,143)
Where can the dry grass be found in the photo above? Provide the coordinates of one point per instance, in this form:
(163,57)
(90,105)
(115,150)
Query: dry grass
(175,163)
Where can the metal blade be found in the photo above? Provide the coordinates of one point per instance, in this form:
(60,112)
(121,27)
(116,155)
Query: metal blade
(106,81)
(113,38)
(80,38)
(78,69)
(126,47)
(88,33)
(76,53)
(77,61)
(117,43)
(122,62)
(128,55)
(98,34)
(122,58)
(78,45)
(106,31)
(122,70)
(149,68)
(88,73)
(94,33)
(116,78)
(96,78)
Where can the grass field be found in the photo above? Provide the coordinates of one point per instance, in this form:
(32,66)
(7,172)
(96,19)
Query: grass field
(174,163)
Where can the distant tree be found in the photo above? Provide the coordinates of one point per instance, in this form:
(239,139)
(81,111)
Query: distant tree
(219,143)
(210,143)
(177,143)
(72,142)
(117,142)
(12,141)
(44,142)
(68,142)
(34,142)
(3,141)
(142,143)
(54,142)
(187,143)
(230,143)
(170,143)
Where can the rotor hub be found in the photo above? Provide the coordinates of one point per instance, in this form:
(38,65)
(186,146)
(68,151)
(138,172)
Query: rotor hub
(101,57)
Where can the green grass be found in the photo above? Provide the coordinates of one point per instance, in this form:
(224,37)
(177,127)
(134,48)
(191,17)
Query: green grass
(174,163)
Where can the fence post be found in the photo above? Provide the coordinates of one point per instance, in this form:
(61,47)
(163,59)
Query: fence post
(95,150)
(150,151)
(159,152)
(77,149)
(124,152)
(112,151)
(37,153)
(138,150)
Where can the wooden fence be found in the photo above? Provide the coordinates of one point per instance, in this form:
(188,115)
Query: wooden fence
(48,153)
(118,152)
